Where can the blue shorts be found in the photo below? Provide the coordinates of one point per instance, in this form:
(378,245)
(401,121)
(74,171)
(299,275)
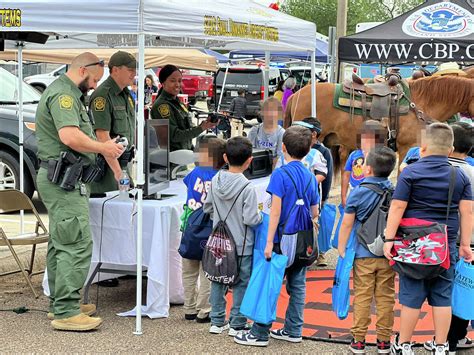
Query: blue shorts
(438,291)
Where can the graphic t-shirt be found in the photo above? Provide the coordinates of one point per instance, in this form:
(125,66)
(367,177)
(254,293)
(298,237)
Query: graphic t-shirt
(354,165)
(262,140)
(198,183)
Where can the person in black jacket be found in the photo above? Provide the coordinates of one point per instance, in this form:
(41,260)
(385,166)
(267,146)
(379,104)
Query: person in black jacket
(238,105)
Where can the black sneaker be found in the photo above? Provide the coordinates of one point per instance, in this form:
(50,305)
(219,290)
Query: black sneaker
(357,347)
(249,340)
(190,316)
(383,347)
(282,334)
(206,319)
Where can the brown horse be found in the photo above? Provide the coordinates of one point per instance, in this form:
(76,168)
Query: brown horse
(470,72)
(439,98)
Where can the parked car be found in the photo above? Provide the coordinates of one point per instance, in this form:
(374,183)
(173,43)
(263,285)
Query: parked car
(41,81)
(302,74)
(9,141)
(250,78)
(197,85)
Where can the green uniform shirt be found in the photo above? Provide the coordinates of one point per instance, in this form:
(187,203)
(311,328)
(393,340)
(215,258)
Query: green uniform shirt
(61,105)
(182,131)
(113,111)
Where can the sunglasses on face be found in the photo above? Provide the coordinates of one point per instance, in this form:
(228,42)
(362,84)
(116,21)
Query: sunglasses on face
(100,63)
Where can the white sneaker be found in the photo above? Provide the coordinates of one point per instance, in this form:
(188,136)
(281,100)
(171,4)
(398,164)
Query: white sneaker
(215,329)
(440,349)
(465,343)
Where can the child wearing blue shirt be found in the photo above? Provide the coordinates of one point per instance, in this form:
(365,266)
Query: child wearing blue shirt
(296,145)
(373,275)
(372,135)
(422,192)
(209,152)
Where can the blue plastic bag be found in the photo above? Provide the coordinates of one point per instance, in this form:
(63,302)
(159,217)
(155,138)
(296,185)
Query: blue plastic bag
(340,289)
(335,240)
(261,233)
(463,290)
(260,300)
(327,218)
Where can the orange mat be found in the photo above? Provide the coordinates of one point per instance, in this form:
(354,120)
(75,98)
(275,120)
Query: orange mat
(320,322)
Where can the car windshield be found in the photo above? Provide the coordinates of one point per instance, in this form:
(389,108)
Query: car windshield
(9,90)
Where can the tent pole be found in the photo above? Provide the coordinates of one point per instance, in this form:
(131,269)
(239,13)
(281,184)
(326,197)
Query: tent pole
(20,125)
(313,83)
(140,178)
(223,87)
(266,75)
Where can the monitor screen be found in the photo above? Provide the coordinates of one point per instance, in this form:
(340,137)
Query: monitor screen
(157,170)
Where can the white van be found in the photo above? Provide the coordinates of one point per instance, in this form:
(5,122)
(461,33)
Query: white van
(41,81)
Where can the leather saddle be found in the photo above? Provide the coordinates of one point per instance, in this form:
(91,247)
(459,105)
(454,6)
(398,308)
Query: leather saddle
(376,100)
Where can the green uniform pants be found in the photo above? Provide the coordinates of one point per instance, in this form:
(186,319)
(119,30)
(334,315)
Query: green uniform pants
(69,247)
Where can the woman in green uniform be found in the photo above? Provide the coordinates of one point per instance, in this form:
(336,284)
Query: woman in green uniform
(167,106)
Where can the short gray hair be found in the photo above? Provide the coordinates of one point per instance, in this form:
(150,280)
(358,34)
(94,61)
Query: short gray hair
(290,83)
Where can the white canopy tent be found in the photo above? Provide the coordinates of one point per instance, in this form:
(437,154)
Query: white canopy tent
(215,24)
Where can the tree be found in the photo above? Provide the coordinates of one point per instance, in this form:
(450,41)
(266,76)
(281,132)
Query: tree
(324,12)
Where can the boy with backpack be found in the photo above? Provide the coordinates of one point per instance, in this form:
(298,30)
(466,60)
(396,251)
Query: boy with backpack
(373,275)
(291,186)
(422,192)
(210,159)
(233,201)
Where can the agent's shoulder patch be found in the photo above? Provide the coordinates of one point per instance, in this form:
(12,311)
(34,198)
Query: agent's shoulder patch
(99,103)
(164,110)
(65,102)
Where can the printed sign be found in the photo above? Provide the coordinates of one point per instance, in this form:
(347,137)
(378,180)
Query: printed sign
(10,18)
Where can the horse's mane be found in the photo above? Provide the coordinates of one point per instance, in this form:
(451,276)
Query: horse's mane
(445,90)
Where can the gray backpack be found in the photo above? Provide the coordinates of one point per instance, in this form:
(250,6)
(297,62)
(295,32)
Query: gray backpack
(370,233)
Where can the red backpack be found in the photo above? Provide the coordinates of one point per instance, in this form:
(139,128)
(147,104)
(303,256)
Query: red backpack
(420,249)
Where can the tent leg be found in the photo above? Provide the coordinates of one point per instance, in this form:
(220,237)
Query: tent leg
(20,126)
(313,83)
(140,180)
(266,75)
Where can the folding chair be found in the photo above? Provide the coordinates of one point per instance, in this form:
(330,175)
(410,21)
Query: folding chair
(14,201)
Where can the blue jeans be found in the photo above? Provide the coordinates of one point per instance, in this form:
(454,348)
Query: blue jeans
(218,301)
(296,288)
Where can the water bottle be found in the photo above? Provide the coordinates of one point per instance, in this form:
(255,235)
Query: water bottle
(124,185)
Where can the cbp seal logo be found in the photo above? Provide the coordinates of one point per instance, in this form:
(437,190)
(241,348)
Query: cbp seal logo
(65,102)
(442,20)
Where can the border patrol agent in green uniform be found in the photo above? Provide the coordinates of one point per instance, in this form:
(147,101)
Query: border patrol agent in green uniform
(113,109)
(167,106)
(63,127)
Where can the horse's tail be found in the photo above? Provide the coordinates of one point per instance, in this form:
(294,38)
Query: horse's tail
(336,160)
(287,120)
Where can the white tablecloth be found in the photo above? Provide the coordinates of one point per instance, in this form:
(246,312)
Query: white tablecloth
(114,238)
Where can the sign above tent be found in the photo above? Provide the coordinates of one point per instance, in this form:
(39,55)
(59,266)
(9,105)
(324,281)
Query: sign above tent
(241,24)
(444,20)
(436,31)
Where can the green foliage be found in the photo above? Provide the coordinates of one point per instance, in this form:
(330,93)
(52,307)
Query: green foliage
(324,12)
